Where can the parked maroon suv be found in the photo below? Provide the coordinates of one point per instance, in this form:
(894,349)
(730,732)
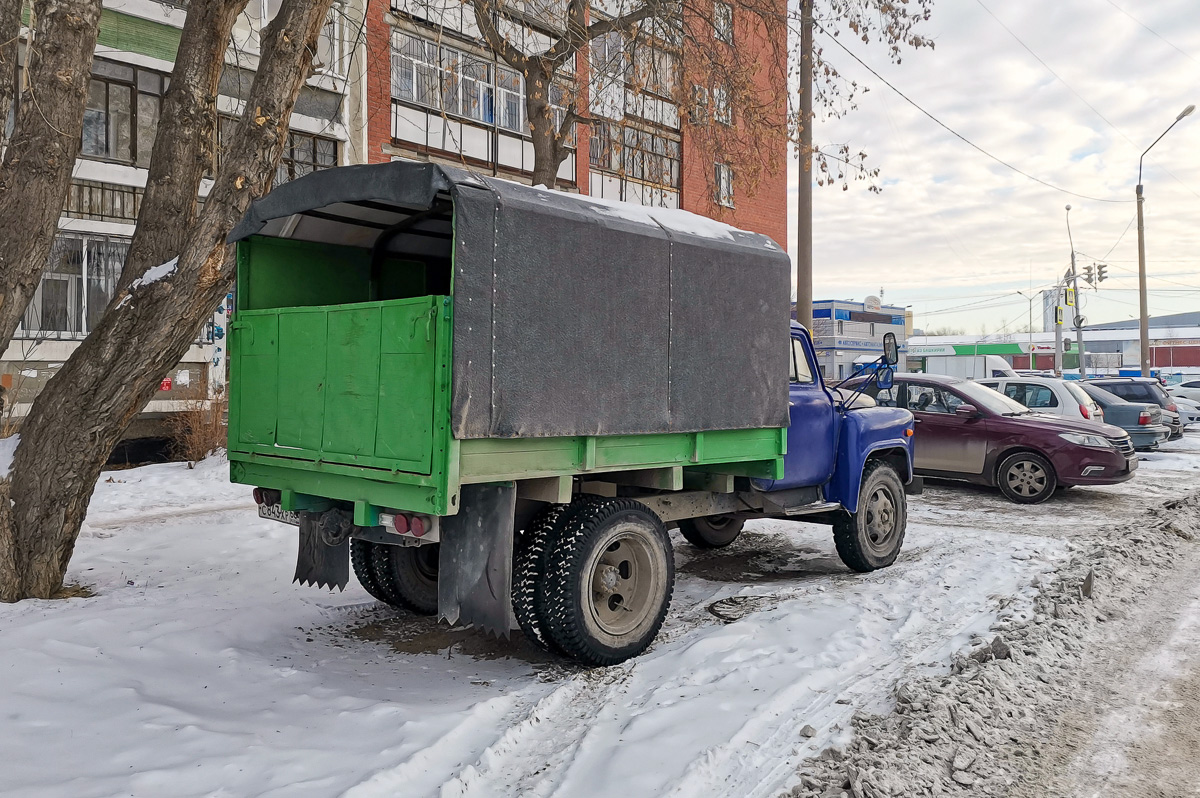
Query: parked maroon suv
(966,431)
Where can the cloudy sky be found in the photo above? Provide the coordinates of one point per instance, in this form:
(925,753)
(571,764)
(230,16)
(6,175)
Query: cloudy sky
(955,234)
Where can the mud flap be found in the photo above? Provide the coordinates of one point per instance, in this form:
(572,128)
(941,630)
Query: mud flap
(475,561)
(317,562)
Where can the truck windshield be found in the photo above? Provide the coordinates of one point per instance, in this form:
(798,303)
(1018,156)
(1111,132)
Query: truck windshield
(988,399)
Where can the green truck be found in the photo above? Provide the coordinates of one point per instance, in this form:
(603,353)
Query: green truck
(489,400)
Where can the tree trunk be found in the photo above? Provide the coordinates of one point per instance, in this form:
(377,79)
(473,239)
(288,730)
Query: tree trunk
(37,164)
(10,34)
(184,144)
(549,148)
(86,406)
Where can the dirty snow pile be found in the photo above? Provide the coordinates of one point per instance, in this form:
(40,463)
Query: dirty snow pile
(978,729)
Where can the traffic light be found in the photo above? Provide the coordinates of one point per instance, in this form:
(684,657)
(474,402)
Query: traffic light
(1089,273)
(1101,271)
(1071,297)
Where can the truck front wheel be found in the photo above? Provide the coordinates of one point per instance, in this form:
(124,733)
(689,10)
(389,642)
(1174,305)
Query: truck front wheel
(609,576)
(871,538)
(711,532)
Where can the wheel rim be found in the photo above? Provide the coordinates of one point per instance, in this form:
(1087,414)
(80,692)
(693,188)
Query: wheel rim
(1027,478)
(882,518)
(719,523)
(622,582)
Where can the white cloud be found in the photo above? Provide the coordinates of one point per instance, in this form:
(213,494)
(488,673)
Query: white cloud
(952,226)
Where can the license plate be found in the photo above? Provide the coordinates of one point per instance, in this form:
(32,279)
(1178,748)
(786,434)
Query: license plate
(276,513)
(1131,463)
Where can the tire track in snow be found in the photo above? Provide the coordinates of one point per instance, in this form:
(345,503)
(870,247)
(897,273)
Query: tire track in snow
(531,758)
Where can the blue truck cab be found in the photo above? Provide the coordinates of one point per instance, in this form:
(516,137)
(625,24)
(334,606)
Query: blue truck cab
(848,464)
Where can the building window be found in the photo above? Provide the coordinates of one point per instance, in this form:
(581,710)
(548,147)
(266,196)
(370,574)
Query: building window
(841,327)
(104,202)
(723,175)
(637,154)
(723,22)
(76,287)
(331,44)
(653,69)
(448,79)
(698,113)
(722,110)
(302,153)
(305,153)
(120,117)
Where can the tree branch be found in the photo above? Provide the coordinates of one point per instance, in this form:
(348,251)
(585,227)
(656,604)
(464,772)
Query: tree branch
(496,42)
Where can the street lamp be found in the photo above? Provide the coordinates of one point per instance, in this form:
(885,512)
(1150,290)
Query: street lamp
(1144,323)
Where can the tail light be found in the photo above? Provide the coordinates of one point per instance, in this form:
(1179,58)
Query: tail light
(407,524)
(259,498)
(1144,417)
(1173,408)
(1083,411)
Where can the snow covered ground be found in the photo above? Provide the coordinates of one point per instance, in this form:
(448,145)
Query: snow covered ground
(199,669)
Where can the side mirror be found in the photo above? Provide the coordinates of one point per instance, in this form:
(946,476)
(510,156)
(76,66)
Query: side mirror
(966,410)
(891,352)
(884,380)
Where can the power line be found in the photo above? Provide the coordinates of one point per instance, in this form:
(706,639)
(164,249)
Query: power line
(1029,50)
(954,132)
(1114,246)
(1152,30)
(1079,96)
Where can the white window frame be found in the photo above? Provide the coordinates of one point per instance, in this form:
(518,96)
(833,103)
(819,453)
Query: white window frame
(723,22)
(723,180)
(722,108)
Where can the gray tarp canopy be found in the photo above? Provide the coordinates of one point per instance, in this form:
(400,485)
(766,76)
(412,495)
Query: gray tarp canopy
(572,316)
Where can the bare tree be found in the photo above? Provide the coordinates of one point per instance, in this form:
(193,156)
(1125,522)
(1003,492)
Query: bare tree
(892,24)
(36,170)
(10,35)
(671,48)
(84,409)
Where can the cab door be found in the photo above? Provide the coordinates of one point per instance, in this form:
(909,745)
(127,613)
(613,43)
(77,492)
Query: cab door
(944,441)
(812,436)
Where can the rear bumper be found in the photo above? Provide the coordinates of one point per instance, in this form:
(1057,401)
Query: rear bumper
(1148,437)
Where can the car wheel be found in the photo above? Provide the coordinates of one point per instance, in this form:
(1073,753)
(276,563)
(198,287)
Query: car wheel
(711,532)
(1026,478)
(871,538)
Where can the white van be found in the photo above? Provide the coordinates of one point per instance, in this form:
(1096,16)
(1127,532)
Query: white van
(1048,395)
(969,367)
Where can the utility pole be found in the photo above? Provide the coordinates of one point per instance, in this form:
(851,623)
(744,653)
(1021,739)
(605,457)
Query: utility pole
(1078,320)
(1143,304)
(804,296)
(1058,320)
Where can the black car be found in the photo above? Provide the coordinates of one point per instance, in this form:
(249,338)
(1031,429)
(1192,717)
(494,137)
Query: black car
(1144,389)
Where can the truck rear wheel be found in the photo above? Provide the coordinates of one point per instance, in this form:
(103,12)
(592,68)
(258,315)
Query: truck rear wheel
(529,551)
(361,552)
(871,538)
(609,578)
(712,531)
(408,576)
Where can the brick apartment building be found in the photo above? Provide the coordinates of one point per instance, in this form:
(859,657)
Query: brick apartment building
(433,93)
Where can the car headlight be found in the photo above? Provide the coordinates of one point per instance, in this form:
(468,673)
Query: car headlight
(1080,439)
